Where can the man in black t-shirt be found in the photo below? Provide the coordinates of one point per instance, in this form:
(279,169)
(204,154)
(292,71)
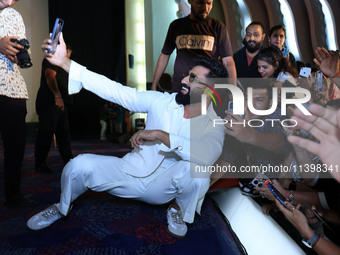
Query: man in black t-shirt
(196,35)
(246,58)
(51,106)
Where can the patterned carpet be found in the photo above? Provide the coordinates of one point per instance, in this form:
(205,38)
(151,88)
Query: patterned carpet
(100,223)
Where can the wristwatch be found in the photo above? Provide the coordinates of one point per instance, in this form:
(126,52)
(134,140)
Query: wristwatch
(312,241)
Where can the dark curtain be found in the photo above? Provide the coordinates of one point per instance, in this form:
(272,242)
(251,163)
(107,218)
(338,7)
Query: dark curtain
(96,32)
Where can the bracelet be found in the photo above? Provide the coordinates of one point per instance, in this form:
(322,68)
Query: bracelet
(335,75)
(312,241)
(291,197)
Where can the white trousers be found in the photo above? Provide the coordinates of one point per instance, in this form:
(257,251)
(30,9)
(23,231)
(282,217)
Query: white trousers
(104,173)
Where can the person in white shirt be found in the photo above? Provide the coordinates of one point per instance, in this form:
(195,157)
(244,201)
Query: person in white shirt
(161,167)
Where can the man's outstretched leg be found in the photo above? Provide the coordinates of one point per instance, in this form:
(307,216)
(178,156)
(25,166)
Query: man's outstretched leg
(87,171)
(175,184)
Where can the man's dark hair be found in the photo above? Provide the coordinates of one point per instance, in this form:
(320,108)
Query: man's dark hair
(217,70)
(256,23)
(267,84)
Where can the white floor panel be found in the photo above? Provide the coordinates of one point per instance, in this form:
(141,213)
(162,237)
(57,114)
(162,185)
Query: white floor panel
(259,233)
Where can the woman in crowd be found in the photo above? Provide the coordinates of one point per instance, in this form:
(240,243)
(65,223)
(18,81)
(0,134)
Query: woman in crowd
(277,37)
(272,64)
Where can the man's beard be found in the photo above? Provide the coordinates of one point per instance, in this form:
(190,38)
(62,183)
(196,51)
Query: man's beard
(191,97)
(254,48)
(183,99)
(199,15)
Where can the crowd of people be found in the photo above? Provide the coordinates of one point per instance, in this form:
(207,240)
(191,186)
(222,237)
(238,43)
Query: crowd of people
(159,168)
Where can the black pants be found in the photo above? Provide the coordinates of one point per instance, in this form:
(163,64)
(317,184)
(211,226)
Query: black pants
(52,121)
(13,130)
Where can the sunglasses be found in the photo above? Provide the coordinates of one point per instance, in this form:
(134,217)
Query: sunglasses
(192,77)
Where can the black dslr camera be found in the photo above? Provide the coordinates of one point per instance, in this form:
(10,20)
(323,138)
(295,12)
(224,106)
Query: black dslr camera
(24,59)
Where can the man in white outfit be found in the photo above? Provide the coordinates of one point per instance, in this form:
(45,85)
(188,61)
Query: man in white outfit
(159,168)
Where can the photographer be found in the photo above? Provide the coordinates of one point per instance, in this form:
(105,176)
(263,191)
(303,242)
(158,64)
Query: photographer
(13,96)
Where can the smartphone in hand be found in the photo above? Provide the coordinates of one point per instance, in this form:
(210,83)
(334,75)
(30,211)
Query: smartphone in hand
(319,81)
(58,27)
(275,192)
(305,72)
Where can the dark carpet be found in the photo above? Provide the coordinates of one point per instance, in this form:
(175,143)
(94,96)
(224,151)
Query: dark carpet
(100,223)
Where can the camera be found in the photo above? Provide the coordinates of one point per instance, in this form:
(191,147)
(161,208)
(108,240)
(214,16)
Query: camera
(24,59)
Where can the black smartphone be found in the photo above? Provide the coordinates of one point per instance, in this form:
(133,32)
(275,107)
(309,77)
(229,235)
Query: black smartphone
(275,192)
(58,27)
(318,216)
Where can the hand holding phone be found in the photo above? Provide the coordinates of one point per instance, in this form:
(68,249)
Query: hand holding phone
(231,109)
(58,27)
(317,215)
(275,192)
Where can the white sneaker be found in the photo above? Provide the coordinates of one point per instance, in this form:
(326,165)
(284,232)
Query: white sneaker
(176,225)
(45,218)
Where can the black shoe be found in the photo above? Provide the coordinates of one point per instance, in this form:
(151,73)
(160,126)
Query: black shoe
(19,200)
(43,169)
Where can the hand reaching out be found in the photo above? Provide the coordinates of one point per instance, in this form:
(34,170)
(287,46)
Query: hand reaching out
(327,61)
(324,124)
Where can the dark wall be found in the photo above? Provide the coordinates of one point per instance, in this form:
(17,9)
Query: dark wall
(96,32)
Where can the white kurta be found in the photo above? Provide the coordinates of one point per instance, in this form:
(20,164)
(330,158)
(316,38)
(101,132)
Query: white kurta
(152,173)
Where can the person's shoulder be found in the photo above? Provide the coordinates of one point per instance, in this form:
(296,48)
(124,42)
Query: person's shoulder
(240,51)
(180,21)
(12,11)
(215,22)
(291,55)
(282,76)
